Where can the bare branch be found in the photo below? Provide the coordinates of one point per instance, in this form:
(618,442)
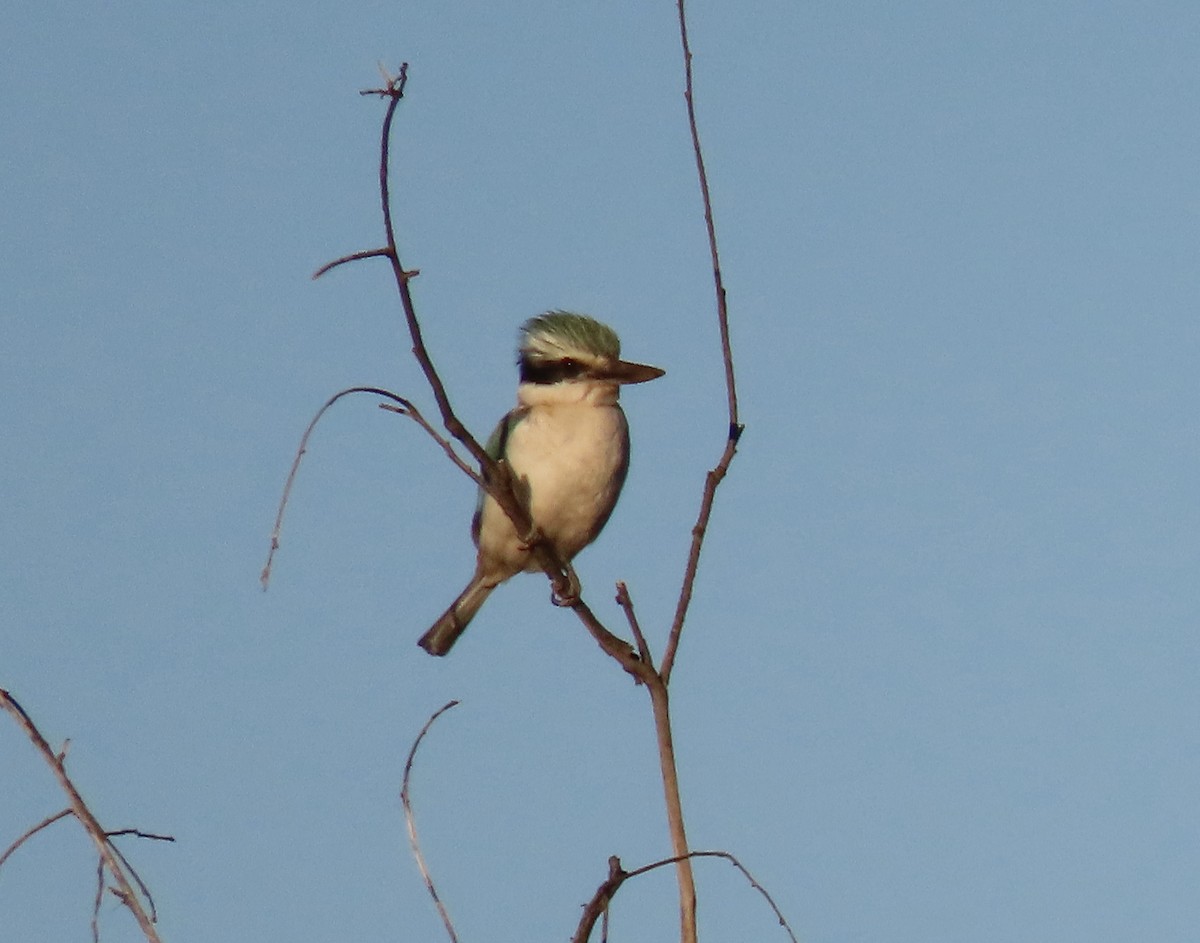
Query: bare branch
(661,705)
(498,485)
(353,257)
(394,92)
(625,601)
(137,879)
(711,481)
(414,414)
(412,825)
(49,820)
(737,864)
(710,225)
(140,834)
(715,476)
(99,899)
(405,408)
(600,901)
(598,905)
(110,857)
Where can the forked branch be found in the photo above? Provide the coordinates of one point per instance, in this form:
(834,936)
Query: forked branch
(111,860)
(617,876)
(31,831)
(499,486)
(403,407)
(493,479)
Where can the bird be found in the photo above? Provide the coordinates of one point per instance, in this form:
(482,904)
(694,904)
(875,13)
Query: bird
(566,448)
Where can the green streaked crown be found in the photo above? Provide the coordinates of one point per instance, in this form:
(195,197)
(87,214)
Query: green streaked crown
(556,335)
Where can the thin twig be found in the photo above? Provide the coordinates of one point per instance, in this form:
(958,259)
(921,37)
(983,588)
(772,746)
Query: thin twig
(735,426)
(353,257)
(414,414)
(110,857)
(49,820)
(138,879)
(97,901)
(625,601)
(394,92)
(602,899)
(140,834)
(737,864)
(405,408)
(412,825)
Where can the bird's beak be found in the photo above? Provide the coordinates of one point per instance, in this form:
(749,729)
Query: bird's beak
(623,371)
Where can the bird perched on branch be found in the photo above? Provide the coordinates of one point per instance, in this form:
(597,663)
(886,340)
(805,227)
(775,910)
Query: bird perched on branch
(566,449)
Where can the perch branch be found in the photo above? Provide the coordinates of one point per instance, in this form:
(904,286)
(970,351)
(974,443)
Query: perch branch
(498,484)
(493,481)
(412,825)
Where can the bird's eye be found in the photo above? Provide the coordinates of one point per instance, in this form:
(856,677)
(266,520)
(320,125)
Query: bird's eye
(570,363)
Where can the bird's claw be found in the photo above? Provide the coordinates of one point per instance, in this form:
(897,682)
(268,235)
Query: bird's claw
(568,594)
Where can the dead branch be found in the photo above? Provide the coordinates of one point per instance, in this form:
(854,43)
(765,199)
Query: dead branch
(140,834)
(617,876)
(625,601)
(354,257)
(110,858)
(412,825)
(29,833)
(404,408)
(498,485)
(492,478)
(717,474)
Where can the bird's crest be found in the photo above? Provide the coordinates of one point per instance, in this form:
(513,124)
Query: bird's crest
(557,335)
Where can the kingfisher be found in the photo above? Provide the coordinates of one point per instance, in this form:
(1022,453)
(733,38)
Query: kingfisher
(566,448)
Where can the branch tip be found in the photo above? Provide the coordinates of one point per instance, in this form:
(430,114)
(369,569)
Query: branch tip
(385,252)
(410,821)
(393,84)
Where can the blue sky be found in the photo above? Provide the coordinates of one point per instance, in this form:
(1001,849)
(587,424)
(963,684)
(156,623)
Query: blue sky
(939,681)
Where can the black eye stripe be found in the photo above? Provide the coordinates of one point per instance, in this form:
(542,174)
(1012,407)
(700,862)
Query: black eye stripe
(551,371)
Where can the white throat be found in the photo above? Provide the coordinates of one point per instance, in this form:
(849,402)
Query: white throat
(569,393)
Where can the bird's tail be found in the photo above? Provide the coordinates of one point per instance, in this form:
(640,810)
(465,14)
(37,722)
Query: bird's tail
(454,621)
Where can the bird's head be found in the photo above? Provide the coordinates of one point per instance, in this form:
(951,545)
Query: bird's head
(561,347)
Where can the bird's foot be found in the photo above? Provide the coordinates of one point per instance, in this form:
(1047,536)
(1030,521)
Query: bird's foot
(531,538)
(565,592)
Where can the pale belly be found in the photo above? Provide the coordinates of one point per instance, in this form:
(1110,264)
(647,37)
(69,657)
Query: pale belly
(570,460)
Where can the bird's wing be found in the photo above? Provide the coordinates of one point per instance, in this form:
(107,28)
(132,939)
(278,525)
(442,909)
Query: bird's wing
(496,448)
(618,480)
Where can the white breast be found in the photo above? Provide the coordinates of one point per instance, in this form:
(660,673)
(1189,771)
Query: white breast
(570,456)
